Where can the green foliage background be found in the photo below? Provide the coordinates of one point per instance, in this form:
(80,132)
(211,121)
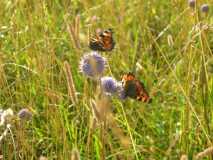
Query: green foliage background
(168,44)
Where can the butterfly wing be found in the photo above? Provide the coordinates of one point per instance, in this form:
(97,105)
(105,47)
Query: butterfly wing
(133,88)
(108,42)
(130,89)
(103,41)
(96,43)
(142,94)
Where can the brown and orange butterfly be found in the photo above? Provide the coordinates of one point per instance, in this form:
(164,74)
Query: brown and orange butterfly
(134,88)
(102,41)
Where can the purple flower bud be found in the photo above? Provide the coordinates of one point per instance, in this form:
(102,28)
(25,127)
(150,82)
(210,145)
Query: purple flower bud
(24,114)
(92,64)
(109,85)
(122,94)
(121,91)
(192,3)
(205,8)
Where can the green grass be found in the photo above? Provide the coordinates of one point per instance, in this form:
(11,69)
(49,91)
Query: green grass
(162,41)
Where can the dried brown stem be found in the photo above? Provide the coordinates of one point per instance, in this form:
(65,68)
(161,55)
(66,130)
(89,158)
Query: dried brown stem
(70,83)
(206,152)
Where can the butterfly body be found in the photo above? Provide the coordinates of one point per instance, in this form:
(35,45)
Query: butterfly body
(134,88)
(102,41)
(130,89)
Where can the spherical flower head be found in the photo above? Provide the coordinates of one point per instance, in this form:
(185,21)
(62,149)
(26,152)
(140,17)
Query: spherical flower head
(109,85)
(205,8)
(24,114)
(192,3)
(92,64)
(121,91)
(122,94)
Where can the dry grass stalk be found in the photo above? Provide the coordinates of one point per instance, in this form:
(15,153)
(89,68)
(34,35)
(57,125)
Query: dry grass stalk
(125,141)
(70,83)
(184,157)
(172,144)
(4,134)
(95,111)
(75,155)
(43,158)
(102,139)
(73,30)
(89,138)
(206,152)
(53,95)
(170,40)
(2,75)
(77,26)
(100,108)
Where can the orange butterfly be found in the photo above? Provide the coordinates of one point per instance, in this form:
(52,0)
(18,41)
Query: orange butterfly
(134,88)
(102,41)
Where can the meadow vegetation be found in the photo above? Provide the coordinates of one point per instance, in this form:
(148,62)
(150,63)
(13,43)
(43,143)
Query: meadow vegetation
(54,112)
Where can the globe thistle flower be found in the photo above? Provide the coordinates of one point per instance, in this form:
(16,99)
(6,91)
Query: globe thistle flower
(122,94)
(92,64)
(205,8)
(109,85)
(192,3)
(121,91)
(24,114)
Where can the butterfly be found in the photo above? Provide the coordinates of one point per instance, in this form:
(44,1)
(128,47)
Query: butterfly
(134,88)
(102,41)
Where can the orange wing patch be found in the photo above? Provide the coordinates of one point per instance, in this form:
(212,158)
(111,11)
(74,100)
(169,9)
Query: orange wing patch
(102,41)
(134,88)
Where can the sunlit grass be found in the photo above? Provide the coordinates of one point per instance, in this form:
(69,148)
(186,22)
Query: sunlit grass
(166,43)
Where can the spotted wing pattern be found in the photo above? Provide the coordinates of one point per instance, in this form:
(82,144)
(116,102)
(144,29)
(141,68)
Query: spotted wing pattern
(134,88)
(102,41)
